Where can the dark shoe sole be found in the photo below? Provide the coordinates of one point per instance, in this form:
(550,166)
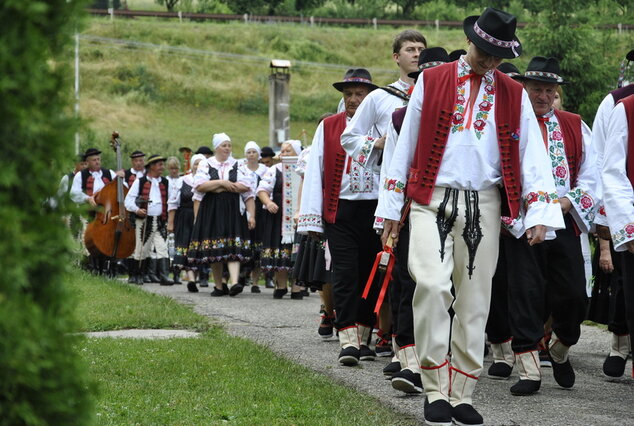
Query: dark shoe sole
(235,290)
(349,360)
(191,287)
(406,386)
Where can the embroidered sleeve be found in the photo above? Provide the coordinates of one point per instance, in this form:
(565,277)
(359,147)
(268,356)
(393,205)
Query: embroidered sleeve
(311,206)
(267,183)
(583,208)
(359,137)
(311,222)
(623,235)
(394,185)
(175,195)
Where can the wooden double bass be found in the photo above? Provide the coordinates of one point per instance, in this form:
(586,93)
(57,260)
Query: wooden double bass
(111,233)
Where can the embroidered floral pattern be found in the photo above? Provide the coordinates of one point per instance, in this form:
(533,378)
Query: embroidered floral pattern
(623,235)
(540,196)
(584,204)
(217,250)
(288,224)
(394,185)
(310,220)
(484,107)
(557,153)
(361,179)
(366,149)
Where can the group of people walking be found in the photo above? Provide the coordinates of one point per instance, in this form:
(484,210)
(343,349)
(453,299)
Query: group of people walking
(476,185)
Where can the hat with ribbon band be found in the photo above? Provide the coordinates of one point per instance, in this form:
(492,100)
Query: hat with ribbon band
(543,69)
(356,76)
(494,33)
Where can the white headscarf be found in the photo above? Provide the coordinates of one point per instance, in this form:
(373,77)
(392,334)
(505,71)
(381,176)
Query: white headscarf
(195,158)
(296,144)
(252,145)
(219,138)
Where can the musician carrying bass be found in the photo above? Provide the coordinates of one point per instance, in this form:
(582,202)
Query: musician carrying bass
(147,199)
(86,184)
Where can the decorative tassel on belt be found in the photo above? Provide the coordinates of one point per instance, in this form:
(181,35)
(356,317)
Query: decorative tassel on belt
(384,263)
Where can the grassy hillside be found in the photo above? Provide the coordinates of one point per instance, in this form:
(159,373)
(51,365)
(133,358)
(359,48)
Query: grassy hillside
(160,99)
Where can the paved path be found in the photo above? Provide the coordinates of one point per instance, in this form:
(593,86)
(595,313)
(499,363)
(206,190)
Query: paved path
(289,328)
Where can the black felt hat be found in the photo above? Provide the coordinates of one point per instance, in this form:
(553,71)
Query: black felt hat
(494,32)
(267,151)
(455,54)
(543,69)
(137,154)
(429,58)
(356,76)
(153,159)
(91,151)
(630,55)
(204,150)
(509,69)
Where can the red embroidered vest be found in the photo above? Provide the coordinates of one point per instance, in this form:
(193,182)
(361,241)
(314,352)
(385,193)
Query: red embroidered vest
(88,182)
(144,192)
(130,177)
(628,103)
(570,125)
(437,111)
(334,161)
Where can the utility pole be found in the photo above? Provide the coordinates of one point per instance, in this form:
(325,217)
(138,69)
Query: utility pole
(77,90)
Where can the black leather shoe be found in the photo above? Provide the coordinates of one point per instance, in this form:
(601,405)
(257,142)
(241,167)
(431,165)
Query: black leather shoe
(278,293)
(191,287)
(255,289)
(391,368)
(407,381)
(438,413)
(218,293)
(563,373)
(349,356)
(466,415)
(614,366)
(297,295)
(499,371)
(525,387)
(225,289)
(235,289)
(366,354)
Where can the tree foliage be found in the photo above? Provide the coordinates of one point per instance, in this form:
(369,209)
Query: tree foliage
(169,4)
(42,380)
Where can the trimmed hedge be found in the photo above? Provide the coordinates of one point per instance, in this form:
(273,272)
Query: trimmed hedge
(42,378)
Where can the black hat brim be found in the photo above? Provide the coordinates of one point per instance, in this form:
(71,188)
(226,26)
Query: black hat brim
(414,74)
(523,78)
(630,55)
(499,52)
(91,153)
(154,160)
(340,85)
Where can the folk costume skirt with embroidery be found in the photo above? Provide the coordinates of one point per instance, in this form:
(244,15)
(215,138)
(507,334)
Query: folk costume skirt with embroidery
(310,264)
(275,256)
(220,231)
(183,225)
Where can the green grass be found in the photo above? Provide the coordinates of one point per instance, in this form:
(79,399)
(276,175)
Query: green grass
(114,305)
(212,379)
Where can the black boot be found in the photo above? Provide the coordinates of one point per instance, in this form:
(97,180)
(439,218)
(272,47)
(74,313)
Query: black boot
(145,271)
(152,266)
(163,271)
(177,275)
(133,271)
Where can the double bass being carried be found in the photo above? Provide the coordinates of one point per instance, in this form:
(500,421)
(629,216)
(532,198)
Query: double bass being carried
(110,235)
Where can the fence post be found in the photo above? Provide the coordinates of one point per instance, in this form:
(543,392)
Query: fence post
(437,23)
(619,28)
(111,12)
(246,18)
(374,23)
(180,16)
(312,21)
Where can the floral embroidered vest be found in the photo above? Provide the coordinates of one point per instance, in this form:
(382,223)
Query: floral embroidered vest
(145,185)
(88,182)
(628,103)
(334,162)
(435,125)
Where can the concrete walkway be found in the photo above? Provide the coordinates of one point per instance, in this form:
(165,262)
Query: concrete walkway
(289,328)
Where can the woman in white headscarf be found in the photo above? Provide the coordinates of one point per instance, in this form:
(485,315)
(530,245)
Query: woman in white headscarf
(223,190)
(276,253)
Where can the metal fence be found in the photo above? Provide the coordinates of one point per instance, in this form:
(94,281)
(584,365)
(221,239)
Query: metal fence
(311,20)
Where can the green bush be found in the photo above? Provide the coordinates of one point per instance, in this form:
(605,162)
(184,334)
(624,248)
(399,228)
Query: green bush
(42,379)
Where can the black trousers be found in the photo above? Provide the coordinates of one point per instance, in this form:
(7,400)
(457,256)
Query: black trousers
(498,329)
(353,245)
(627,266)
(544,279)
(617,323)
(402,292)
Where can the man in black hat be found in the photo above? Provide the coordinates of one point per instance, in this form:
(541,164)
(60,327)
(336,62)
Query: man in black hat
(455,54)
(205,150)
(266,156)
(137,161)
(552,271)
(468,129)
(618,184)
(620,339)
(147,199)
(405,368)
(365,135)
(338,200)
